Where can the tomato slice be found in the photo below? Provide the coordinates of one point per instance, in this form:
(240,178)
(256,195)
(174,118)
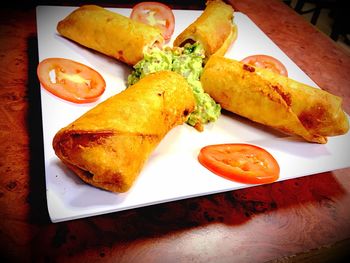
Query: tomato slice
(266,62)
(244,163)
(70,80)
(155,14)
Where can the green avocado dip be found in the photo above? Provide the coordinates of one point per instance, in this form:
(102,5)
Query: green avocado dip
(188,61)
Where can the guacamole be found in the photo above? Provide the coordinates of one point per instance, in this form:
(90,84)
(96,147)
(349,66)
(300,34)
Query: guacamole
(188,61)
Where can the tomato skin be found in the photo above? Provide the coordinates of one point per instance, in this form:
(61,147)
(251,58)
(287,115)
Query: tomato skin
(266,62)
(244,163)
(73,81)
(155,14)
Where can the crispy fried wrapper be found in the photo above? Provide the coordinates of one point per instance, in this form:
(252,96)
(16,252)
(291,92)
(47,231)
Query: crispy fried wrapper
(214,29)
(274,100)
(110,33)
(108,145)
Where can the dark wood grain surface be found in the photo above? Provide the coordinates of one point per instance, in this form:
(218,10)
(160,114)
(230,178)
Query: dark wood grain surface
(300,220)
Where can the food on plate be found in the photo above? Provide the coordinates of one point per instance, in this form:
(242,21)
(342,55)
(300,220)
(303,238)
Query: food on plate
(110,33)
(266,62)
(244,163)
(108,145)
(274,100)
(187,61)
(211,33)
(70,80)
(155,14)
(214,29)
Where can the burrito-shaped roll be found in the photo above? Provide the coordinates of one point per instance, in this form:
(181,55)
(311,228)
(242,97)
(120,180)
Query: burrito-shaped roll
(214,29)
(274,100)
(108,145)
(110,33)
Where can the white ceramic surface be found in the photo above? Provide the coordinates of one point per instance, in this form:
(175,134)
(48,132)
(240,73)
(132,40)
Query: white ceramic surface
(172,172)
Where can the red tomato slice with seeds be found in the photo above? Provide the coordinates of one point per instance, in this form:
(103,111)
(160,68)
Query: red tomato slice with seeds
(155,14)
(266,62)
(244,163)
(70,80)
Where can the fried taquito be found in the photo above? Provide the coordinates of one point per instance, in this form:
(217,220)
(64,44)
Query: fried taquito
(108,145)
(214,29)
(274,100)
(110,33)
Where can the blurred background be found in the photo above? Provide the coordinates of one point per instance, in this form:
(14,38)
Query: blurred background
(332,17)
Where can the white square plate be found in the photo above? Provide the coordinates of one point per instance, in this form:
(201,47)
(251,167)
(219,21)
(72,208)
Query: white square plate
(172,171)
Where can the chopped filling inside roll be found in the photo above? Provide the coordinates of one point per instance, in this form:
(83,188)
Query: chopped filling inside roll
(187,61)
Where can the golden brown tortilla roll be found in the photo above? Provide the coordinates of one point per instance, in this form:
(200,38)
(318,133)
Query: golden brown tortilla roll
(108,146)
(274,100)
(214,29)
(110,33)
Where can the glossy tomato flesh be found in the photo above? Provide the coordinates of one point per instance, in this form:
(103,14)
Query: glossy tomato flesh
(244,163)
(266,62)
(70,80)
(155,14)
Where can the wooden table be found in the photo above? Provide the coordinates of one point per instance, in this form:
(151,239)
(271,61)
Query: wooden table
(296,220)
